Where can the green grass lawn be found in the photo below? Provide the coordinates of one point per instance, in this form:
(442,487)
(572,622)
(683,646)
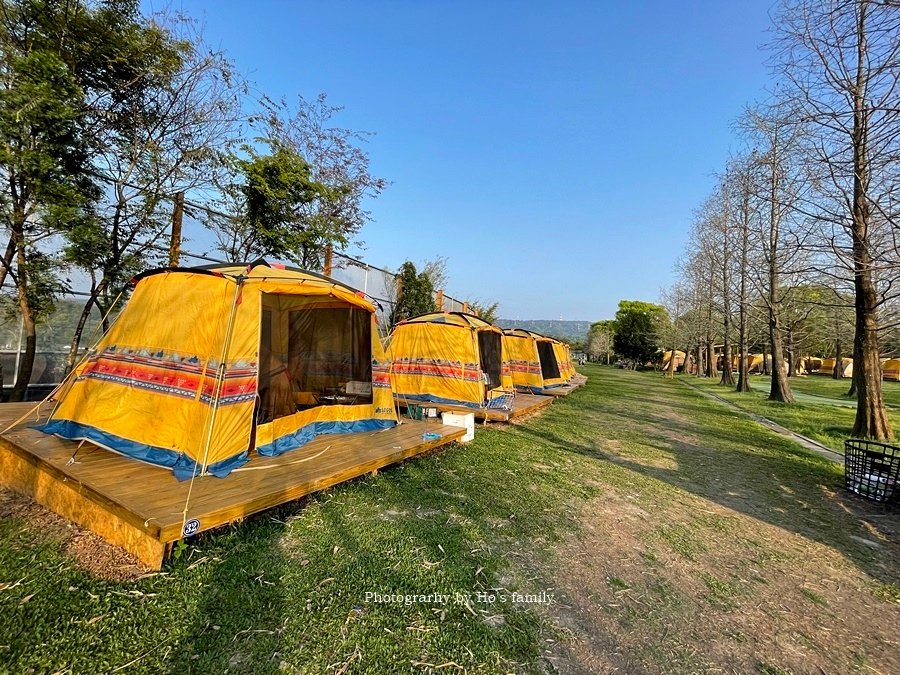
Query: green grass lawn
(828,421)
(818,385)
(674,534)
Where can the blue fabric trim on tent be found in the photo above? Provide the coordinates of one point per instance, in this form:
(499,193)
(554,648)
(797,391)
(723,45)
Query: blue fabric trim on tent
(428,398)
(532,390)
(182,466)
(305,434)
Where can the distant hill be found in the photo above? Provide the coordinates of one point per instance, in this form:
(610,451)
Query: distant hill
(569,330)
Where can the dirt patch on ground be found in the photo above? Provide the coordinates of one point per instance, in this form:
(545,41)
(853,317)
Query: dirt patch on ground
(90,552)
(702,588)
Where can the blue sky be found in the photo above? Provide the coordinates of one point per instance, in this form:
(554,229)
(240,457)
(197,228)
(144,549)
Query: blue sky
(553,152)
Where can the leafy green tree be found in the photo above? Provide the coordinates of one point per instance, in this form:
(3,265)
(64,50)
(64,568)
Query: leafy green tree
(415,295)
(162,131)
(44,163)
(274,189)
(70,71)
(337,159)
(484,310)
(637,330)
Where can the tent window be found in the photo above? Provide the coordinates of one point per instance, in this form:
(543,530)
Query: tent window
(549,366)
(312,353)
(489,353)
(330,354)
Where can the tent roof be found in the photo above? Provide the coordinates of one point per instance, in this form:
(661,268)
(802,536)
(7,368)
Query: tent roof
(452,319)
(521,332)
(263,271)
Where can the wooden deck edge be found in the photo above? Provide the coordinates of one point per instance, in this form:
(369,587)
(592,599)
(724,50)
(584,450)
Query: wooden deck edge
(70,500)
(136,521)
(540,405)
(260,503)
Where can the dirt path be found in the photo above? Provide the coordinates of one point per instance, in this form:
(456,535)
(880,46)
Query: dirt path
(707,554)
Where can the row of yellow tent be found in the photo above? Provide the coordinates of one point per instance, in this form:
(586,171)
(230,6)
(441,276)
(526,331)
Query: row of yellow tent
(460,359)
(890,368)
(205,365)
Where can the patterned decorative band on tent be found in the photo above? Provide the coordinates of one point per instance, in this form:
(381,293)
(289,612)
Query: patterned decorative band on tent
(449,358)
(171,373)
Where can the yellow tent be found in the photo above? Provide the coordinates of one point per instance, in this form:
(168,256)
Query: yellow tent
(535,361)
(450,357)
(205,365)
(755,363)
(667,356)
(890,370)
(827,367)
(564,358)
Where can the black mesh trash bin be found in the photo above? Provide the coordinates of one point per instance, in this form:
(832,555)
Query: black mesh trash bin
(872,470)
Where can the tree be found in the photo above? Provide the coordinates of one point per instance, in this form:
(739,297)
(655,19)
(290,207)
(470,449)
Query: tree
(436,269)
(161,133)
(637,330)
(336,159)
(274,189)
(842,60)
(742,178)
(775,139)
(599,342)
(484,310)
(415,294)
(675,299)
(59,60)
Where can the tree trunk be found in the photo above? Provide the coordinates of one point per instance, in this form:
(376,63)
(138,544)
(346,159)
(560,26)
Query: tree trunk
(79,330)
(727,374)
(7,259)
(26,363)
(780,389)
(765,361)
(792,370)
(871,416)
(837,372)
(743,383)
(699,360)
(670,371)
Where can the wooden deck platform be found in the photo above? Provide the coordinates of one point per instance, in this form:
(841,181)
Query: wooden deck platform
(141,507)
(523,404)
(575,383)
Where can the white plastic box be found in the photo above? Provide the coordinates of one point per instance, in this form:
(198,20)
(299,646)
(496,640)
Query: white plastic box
(463,420)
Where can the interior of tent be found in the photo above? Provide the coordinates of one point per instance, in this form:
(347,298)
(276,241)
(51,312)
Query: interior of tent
(205,365)
(316,350)
(450,357)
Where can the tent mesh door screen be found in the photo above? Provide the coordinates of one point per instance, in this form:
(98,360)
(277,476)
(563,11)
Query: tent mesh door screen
(489,353)
(312,353)
(549,366)
(330,353)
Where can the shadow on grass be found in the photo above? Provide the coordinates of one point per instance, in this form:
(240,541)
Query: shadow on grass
(237,615)
(288,588)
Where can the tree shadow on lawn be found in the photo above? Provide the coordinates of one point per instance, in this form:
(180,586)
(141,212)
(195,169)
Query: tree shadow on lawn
(287,588)
(237,622)
(781,483)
